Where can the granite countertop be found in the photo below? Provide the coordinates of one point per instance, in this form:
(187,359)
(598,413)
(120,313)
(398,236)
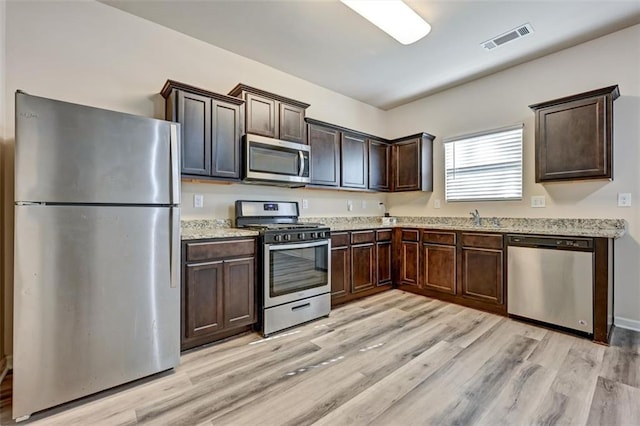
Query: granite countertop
(200,229)
(606,228)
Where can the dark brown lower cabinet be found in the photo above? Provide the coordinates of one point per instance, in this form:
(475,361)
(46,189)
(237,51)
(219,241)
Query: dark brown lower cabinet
(218,290)
(459,267)
(482,275)
(439,268)
(384,256)
(363,267)
(360,264)
(203,299)
(409,257)
(340,271)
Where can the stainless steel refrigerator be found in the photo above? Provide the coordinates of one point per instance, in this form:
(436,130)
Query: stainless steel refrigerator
(97,222)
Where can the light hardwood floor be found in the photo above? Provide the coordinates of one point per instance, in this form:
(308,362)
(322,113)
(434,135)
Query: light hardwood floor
(391,359)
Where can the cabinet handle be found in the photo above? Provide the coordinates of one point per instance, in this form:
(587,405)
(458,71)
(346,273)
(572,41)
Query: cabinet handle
(296,308)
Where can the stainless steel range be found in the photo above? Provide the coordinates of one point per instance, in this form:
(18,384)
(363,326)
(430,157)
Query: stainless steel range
(295,267)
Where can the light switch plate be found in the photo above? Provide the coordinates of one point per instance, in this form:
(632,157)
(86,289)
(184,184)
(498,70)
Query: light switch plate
(437,203)
(198,201)
(305,204)
(349,206)
(624,199)
(538,201)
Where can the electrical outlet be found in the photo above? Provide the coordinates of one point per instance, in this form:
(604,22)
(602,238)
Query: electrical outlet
(538,201)
(624,199)
(349,206)
(437,203)
(305,204)
(364,204)
(198,201)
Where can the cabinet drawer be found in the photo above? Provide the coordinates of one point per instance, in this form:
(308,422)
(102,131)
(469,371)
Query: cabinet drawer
(434,237)
(360,237)
(410,235)
(339,239)
(220,249)
(383,235)
(491,241)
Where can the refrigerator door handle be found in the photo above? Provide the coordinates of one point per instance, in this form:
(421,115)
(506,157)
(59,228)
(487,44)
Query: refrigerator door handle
(175,165)
(174,250)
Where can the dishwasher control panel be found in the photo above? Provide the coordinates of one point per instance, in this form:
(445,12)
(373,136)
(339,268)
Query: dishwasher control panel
(549,242)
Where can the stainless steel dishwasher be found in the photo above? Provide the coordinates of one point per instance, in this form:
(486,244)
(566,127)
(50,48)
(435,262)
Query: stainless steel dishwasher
(550,279)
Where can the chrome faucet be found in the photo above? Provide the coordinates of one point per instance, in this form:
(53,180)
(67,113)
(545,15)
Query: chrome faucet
(476,217)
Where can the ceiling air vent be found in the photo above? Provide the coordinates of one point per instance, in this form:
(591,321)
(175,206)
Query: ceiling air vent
(514,34)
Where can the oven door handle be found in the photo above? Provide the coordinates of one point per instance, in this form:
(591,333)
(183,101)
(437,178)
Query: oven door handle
(275,247)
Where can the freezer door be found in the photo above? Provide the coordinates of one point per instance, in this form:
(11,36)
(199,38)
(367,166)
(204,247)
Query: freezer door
(95,304)
(68,153)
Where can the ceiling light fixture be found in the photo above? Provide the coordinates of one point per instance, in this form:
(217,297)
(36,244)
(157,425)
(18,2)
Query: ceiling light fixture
(393,17)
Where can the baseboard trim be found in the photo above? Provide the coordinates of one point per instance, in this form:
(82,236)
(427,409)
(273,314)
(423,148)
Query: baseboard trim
(627,323)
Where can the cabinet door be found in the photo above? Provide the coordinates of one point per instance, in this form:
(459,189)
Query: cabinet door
(379,165)
(439,268)
(340,271)
(291,123)
(239,292)
(573,141)
(194,115)
(325,155)
(383,255)
(261,115)
(225,142)
(355,162)
(203,299)
(409,262)
(482,275)
(407,165)
(363,267)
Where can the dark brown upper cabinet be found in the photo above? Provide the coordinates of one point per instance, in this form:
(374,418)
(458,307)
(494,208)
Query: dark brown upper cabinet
(379,165)
(412,163)
(324,142)
(355,161)
(574,136)
(211,126)
(272,115)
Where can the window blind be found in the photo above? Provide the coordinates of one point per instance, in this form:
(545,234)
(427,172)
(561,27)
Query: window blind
(484,166)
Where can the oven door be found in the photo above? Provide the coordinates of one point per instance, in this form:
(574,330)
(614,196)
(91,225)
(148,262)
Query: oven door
(296,271)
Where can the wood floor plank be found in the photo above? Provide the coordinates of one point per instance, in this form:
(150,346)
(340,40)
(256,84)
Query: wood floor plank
(622,365)
(576,381)
(552,350)
(368,405)
(517,403)
(614,403)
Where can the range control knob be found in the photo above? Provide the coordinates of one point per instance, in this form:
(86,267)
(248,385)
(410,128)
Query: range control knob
(314,235)
(287,237)
(321,235)
(301,236)
(278,237)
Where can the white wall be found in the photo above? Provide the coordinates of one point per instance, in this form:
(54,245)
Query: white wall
(502,99)
(90,53)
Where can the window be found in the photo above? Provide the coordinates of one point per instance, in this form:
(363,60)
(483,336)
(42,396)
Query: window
(484,166)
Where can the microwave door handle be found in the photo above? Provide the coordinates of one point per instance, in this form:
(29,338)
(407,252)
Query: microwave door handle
(300,163)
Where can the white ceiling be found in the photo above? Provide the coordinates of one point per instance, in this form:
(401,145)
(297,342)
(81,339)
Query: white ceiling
(325,42)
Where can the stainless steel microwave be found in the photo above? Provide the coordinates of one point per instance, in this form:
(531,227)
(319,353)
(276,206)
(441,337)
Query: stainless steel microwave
(274,161)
